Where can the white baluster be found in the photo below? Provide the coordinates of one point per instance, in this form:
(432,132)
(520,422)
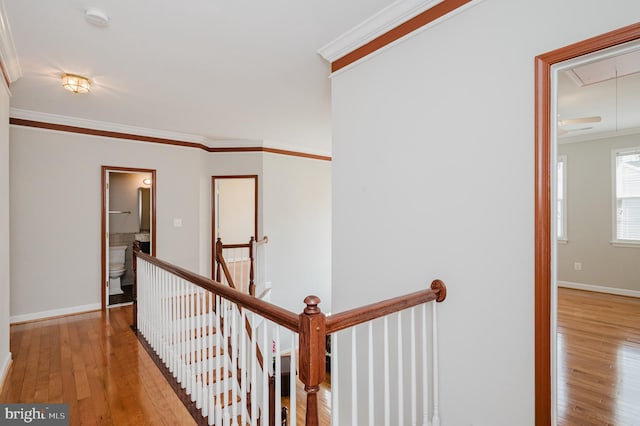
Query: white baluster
(243,367)
(265,373)
(293,365)
(335,400)
(387,414)
(211,352)
(436,409)
(200,338)
(278,374)
(220,355)
(371,376)
(234,363)
(354,378)
(254,368)
(425,367)
(400,372)
(414,409)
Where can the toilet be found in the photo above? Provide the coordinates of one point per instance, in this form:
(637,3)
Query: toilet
(117,268)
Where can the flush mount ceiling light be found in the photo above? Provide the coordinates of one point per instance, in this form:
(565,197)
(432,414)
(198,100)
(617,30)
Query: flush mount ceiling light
(147,181)
(96,17)
(76,83)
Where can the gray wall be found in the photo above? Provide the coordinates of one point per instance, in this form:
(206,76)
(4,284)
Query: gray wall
(433,177)
(5,276)
(55,215)
(589,218)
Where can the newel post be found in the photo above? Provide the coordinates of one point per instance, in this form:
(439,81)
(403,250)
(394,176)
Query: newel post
(312,354)
(252,285)
(136,250)
(218,256)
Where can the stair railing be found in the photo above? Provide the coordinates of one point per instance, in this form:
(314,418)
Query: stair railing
(235,265)
(183,319)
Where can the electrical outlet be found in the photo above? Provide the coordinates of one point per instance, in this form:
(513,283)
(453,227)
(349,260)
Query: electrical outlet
(577,266)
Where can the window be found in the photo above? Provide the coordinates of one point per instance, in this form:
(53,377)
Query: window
(561,198)
(627,195)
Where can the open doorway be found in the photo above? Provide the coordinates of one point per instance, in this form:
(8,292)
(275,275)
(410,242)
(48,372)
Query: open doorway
(234,222)
(128,215)
(553,232)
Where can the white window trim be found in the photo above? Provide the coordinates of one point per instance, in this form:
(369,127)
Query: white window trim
(614,200)
(563,239)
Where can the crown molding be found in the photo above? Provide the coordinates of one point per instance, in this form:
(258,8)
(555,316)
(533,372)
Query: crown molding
(344,55)
(104,126)
(46,121)
(380,23)
(600,135)
(8,55)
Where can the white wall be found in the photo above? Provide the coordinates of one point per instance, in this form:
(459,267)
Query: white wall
(433,166)
(5,277)
(589,219)
(236,210)
(297,220)
(55,238)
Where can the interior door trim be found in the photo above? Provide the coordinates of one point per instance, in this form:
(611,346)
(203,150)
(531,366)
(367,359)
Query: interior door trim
(543,237)
(103,225)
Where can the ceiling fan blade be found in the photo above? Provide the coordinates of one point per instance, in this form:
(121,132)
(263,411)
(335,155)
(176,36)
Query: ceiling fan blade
(580,120)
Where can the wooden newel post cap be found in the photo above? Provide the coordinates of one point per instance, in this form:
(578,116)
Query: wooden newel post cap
(312,303)
(439,287)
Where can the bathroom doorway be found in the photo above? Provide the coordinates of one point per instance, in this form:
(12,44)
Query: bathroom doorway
(128,215)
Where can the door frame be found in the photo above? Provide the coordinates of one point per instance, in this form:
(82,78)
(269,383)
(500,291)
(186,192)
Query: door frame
(103,226)
(543,228)
(213,212)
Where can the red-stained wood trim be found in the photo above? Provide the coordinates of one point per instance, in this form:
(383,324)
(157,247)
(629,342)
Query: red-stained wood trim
(543,237)
(418,21)
(103,133)
(103,220)
(267,310)
(214,237)
(152,139)
(360,315)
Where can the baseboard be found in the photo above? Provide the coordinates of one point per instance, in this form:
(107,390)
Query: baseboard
(599,289)
(54,313)
(4,370)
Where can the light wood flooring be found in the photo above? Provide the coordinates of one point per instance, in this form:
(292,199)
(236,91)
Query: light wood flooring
(598,359)
(94,363)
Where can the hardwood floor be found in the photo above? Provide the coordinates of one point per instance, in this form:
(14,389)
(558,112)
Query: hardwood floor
(94,363)
(598,359)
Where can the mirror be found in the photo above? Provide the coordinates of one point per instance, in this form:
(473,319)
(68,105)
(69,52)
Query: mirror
(144,209)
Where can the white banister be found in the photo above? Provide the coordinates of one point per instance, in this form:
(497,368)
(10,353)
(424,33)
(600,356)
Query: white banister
(436,396)
(387,413)
(414,405)
(335,400)
(400,372)
(371,376)
(354,378)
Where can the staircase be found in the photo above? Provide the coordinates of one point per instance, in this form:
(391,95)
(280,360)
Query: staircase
(211,340)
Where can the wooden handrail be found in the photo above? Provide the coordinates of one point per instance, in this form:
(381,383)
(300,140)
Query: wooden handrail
(350,318)
(231,246)
(311,325)
(267,310)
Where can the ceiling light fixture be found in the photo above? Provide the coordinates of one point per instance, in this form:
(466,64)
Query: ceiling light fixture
(76,83)
(96,17)
(147,181)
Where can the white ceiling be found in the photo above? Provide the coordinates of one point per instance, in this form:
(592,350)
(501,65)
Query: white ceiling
(615,100)
(224,70)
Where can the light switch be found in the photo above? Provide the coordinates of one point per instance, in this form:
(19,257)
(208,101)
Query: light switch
(177,223)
